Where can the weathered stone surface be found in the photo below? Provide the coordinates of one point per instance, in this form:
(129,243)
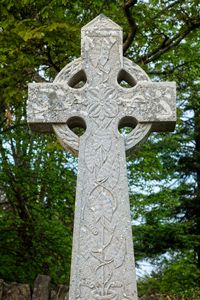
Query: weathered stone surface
(102,260)
(41,288)
(16,291)
(62,292)
(147,102)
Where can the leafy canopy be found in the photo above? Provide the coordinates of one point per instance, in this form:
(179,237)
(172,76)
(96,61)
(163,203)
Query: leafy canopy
(37,178)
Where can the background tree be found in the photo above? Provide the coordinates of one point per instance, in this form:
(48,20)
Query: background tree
(37,178)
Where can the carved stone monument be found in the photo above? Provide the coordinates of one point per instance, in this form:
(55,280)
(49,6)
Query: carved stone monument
(87,94)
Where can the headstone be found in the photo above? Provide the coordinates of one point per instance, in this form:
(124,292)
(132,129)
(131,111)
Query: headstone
(62,292)
(41,289)
(87,94)
(15,291)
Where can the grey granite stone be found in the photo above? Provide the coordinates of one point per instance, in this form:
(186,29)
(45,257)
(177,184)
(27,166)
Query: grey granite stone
(41,289)
(87,93)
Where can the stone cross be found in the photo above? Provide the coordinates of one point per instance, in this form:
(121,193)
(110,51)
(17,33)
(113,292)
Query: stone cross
(87,94)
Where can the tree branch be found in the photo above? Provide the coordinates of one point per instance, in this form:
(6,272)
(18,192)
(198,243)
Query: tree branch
(36,76)
(171,70)
(2,123)
(132,24)
(168,43)
(168,7)
(51,61)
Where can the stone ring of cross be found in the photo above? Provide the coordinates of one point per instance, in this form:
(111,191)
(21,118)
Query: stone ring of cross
(75,77)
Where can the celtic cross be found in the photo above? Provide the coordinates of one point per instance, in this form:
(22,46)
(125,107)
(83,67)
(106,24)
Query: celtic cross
(87,94)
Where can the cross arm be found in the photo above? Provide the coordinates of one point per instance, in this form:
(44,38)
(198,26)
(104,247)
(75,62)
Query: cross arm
(151,102)
(51,103)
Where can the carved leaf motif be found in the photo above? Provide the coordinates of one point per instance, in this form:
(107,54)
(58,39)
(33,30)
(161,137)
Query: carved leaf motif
(101,203)
(89,220)
(104,172)
(93,94)
(94,110)
(109,172)
(111,109)
(96,151)
(103,154)
(110,93)
(106,142)
(120,254)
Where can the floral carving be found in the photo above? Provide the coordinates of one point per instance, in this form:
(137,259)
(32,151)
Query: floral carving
(101,203)
(96,150)
(102,102)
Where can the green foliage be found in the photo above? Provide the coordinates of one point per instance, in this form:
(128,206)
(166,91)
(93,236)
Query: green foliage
(37,216)
(37,178)
(179,277)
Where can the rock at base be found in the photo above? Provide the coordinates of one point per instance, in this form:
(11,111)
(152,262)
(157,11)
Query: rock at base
(62,292)
(41,288)
(15,291)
